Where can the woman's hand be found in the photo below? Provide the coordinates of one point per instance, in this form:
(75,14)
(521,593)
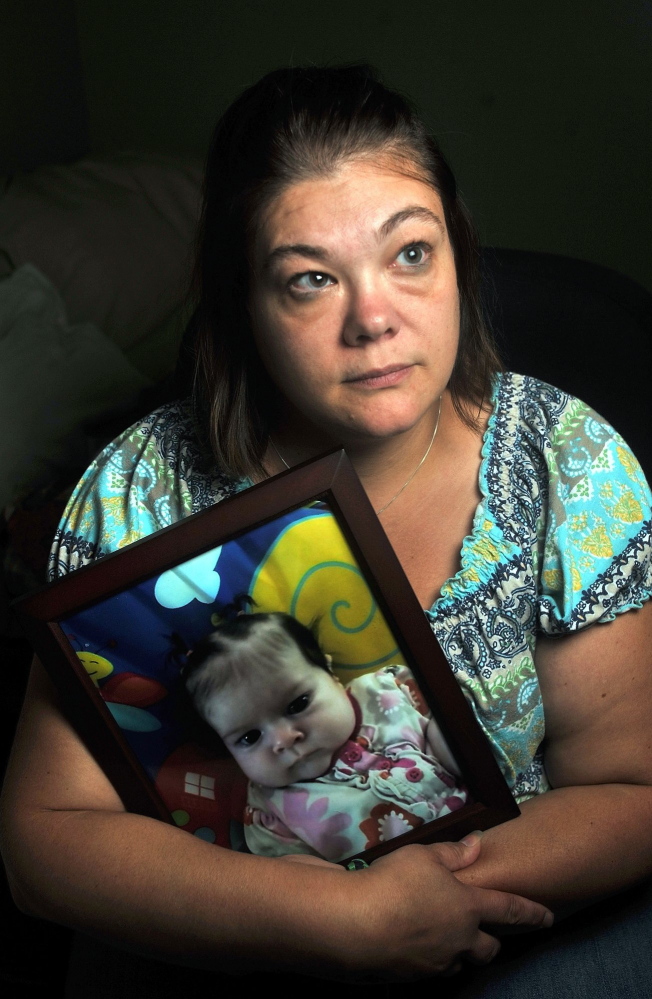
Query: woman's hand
(416,922)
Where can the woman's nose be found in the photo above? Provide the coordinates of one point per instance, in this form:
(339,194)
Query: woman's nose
(285,736)
(371,314)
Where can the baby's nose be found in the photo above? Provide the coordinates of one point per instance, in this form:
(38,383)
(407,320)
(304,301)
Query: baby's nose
(286,735)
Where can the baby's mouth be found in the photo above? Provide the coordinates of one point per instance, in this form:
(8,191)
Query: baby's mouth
(310,761)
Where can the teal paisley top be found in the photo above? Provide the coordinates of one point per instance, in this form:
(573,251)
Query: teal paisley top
(561,539)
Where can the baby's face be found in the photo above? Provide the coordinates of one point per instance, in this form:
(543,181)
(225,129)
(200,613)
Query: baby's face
(284,727)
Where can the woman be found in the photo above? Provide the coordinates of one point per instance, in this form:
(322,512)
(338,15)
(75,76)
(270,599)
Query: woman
(337,303)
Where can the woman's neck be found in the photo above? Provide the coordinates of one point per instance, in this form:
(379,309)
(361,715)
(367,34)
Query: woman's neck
(384,465)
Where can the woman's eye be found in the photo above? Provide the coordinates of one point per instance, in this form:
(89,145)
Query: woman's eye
(310,281)
(249,738)
(413,255)
(299,704)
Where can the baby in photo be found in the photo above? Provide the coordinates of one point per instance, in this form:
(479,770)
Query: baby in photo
(333,770)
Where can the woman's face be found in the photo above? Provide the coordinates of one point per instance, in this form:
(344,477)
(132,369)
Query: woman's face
(354,300)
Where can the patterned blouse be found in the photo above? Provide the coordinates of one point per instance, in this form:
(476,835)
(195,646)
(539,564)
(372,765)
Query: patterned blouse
(561,539)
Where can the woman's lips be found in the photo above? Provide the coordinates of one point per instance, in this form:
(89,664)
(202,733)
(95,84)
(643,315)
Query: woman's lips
(381,377)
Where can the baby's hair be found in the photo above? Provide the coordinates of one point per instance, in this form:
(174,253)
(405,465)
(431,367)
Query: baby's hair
(240,644)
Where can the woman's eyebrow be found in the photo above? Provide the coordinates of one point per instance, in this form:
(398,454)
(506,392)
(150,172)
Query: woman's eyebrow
(297,250)
(413,212)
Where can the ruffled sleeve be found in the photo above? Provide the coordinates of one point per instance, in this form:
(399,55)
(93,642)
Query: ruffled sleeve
(597,554)
(151,476)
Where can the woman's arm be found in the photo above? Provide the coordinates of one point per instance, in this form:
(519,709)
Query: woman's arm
(75,856)
(590,836)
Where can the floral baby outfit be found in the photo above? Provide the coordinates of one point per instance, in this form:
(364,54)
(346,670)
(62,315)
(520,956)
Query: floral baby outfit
(382,783)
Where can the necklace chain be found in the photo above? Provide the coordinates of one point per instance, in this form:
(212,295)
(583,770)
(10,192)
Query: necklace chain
(407,481)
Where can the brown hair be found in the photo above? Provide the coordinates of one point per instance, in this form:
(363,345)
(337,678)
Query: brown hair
(244,643)
(295,124)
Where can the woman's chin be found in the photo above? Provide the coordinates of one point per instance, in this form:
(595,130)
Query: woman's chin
(383,422)
(373,432)
(367,422)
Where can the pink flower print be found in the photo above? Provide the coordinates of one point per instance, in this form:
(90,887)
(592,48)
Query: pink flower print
(386,822)
(323,834)
(268,820)
(446,778)
(414,775)
(389,701)
(275,825)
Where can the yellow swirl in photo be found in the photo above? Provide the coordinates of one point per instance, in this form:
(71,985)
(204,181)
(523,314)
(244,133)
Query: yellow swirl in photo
(311,573)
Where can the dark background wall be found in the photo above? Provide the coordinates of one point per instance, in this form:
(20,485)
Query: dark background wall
(545,110)
(43,116)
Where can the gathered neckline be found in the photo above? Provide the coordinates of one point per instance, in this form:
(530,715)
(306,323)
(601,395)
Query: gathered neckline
(469,555)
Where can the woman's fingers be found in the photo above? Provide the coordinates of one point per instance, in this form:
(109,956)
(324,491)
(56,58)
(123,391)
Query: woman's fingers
(502,909)
(455,856)
(420,920)
(484,949)
(417,919)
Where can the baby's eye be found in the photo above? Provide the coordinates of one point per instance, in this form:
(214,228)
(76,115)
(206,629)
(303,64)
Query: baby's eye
(299,704)
(310,281)
(249,738)
(413,254)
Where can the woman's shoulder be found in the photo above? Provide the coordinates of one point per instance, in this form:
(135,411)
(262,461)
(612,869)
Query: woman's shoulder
(155,473)
(559,470)
(528,411)
(540,432)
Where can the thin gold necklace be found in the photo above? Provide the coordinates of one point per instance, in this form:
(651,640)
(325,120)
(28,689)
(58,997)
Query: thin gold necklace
(407,481)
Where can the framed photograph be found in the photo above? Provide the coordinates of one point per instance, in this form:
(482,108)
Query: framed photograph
(261,675)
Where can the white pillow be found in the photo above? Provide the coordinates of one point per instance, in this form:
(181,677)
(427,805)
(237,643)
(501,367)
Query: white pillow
(115,235)
(53,377)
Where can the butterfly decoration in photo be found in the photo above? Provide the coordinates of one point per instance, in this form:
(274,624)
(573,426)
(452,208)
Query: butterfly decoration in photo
(300,564)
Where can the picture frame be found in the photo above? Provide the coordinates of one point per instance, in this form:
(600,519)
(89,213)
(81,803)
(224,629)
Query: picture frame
(307,543)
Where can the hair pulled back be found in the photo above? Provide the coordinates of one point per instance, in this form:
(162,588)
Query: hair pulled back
(294,125)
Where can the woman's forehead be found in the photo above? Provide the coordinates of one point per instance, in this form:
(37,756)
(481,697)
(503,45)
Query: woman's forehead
(359,198)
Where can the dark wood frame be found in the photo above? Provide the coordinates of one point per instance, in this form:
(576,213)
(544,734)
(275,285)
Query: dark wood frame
(330,478)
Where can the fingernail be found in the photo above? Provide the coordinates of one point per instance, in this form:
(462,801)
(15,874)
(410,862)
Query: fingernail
(467,839)
(548,920)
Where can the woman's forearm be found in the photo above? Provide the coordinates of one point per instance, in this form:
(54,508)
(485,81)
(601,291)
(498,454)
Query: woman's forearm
(75,856)
(570,846)
(155,889)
